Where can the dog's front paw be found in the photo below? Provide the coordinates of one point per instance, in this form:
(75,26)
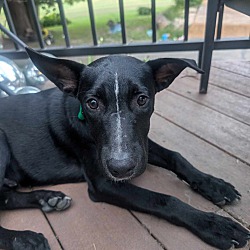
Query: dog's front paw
(53,200)
(216,190)
(221,232)
(28,240)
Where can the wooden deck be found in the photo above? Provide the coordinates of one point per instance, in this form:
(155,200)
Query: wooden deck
(212,131)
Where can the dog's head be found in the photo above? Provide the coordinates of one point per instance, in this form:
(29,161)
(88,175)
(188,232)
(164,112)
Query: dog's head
(117,98)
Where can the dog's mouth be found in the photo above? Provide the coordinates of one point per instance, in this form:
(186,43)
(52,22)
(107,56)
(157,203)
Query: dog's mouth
(115,179)
(120,179)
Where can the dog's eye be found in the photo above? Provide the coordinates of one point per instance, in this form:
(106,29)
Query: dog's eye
(92,103)
(142,99)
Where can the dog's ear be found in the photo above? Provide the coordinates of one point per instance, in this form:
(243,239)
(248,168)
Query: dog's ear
(65,74)
(165,70)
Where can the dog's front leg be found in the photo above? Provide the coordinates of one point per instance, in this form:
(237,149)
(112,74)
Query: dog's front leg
(22,240)
(43,199)
(216,230)
(210,187)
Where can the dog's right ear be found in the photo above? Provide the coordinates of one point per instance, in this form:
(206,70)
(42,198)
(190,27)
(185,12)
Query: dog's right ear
(65,74)
(165,70)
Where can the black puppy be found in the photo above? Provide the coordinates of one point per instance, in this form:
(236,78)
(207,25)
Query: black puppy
(96,131)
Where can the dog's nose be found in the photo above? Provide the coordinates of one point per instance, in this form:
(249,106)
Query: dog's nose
(121,168)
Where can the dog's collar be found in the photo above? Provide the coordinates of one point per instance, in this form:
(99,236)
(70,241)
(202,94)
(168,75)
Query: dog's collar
(80,114)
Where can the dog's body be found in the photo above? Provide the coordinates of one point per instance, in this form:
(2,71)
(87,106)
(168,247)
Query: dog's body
(100,137)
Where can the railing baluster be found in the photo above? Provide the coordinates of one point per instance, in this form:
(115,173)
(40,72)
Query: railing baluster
(92,22)
(121,7)
(208,44)
(186,20)
(36,23)
(64,23)
(153,16)
(12,36)
(9,21)
(219,25)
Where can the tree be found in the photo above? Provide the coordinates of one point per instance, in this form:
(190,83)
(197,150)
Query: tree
(22,17)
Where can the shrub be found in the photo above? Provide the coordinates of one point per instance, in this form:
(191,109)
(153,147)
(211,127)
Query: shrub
(144,11)
(172,31)
(192,3)
(52,19)
(195,3)
(172,12)
(177,10)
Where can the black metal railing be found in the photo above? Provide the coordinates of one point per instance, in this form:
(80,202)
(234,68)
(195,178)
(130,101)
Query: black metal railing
(210,44)
(96,49)
(204,47)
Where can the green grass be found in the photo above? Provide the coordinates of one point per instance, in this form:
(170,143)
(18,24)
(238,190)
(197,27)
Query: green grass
(80,29)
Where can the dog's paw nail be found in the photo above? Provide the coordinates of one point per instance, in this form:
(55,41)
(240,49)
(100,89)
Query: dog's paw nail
(227,199)
(68,198)
(53,201)
(221,203)
(235,243)
(238,197)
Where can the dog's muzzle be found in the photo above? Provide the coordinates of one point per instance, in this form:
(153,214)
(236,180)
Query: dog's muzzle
(121,169)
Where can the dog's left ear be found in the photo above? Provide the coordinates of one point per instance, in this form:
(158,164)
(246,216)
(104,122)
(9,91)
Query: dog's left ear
(64,73)
(165,70)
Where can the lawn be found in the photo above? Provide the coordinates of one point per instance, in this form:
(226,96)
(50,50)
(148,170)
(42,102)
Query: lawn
(80,29)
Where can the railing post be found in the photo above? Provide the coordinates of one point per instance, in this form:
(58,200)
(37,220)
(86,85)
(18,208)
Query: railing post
(92,22)
(208,46)
(219,25)
(36,23)
(186,20)
(12,36)
(153,16)
(199,57)
(64,23)
(121,7)
(10,22)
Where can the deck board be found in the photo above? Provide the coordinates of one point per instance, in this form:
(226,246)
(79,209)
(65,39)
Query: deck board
(89,226)
(223,131)
(229,80)
(29,219)
(206,158)
(223,101)
(237,67)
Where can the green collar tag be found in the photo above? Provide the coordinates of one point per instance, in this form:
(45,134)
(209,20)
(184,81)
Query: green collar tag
(80,114)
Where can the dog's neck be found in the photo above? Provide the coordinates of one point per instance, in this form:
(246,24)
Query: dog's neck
(80,114)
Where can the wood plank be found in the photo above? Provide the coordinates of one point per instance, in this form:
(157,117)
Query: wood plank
(160,180)
(226,102)
(89,226)
(234,82)
(227,133)
(238,67)
(29,219)
(199,154)
(206,158)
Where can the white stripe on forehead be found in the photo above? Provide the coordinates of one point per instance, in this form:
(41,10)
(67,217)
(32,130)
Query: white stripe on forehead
(118,117)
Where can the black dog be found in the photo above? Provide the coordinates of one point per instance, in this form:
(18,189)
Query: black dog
(96,131)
